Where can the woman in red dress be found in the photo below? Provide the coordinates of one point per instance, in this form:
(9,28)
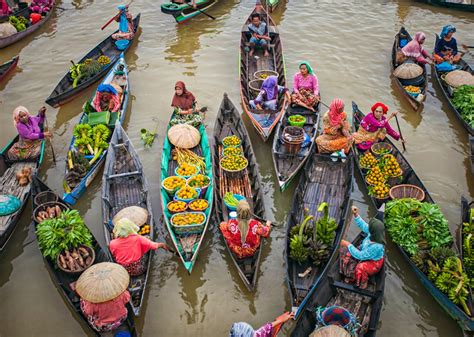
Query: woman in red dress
(243,234)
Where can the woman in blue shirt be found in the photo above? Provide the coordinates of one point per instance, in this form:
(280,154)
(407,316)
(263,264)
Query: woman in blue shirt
(446,48)
(357,264)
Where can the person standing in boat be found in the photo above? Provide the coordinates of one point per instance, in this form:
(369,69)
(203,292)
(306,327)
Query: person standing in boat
(336,138)
(268,95)
(30,134)
(126,28)
(446,49)
(375,127)
(358,264)
(183,100)
(414,50)
(305,87)
(260,38)
(243,234)
(129,248)
(106,99)
(270,329)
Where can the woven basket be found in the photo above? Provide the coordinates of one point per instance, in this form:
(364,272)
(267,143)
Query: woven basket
(189,229)
(408,71)
(381,145)
(44,206)
(458,78)
(46,196)
(92,254)
(255,86)
(407,191)
(264,74)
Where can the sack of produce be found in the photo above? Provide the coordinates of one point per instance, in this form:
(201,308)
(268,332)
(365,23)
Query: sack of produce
(184,136)
(458,78)
(7,29)
(138,215)
(408,71)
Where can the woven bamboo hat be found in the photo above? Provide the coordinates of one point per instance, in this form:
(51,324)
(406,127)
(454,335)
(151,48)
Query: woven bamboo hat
(330,331)
(102,282)
(408,71)
(457,78)
(184,136)
(138,215)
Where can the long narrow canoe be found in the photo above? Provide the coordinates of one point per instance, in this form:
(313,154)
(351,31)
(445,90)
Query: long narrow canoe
(123,185)
(365,304)
(8,67)
(187,245)
(288,165)
(63,280)
(450,4)
(264,121)
(185,11)
(9,186)
(322,180)
(230,123)
(64,90)
(409,177)
(9,40)
(414,102)
(448,92)
(72,194)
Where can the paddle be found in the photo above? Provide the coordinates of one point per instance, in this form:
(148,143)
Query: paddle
(400,132)
(50,142)
(113,19)
(208,15)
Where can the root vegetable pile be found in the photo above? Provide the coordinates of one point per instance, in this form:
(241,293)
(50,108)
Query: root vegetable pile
(76,259)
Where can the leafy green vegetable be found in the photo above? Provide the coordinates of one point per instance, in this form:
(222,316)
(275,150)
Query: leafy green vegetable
(147,137)
(468,246)
(463,100)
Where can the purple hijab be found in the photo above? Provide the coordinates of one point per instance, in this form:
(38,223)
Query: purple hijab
(270,86)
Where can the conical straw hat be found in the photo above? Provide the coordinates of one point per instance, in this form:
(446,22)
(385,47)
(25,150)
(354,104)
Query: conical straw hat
(102,282)
(457,78)
(184,136)
(330,331)
(138,215)
(408,71)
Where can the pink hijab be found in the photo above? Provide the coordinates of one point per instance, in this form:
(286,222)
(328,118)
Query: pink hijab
(16,114)
(414,48)
(336,110)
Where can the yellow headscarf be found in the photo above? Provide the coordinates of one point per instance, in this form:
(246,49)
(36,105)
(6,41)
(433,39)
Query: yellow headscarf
(124,228)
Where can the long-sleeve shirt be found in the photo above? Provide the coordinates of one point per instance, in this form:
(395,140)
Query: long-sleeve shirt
(372,124)
(130,249)
(368,250)
(32,129)
(451,45)
(262,97)
(108,312)
(310,82)
(264,331)
(260,30)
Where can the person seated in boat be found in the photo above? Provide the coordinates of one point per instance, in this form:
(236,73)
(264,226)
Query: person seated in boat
(268,96)
(126,28)
(336,137)
(259,38)
(119,81)
(106,99)
(446,48)
(415,51)
(4,8)
(243,234)
(183,100)
(129,248)
(357,264)
(305,87)
(30,134)
(375,127)
(270,329)
(180,2)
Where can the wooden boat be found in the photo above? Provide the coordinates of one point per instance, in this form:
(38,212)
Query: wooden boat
(8,67)
(248,184)
(123,185)
(187,244)
(364,304)
(322,180)
(9,186)
(287,165)
(448,91)
(9,40)
(416,103)
(63,280)
(64,90)
(271,5)
(264,121)
(409,177)
(185,11)
(450,4)
(72,194)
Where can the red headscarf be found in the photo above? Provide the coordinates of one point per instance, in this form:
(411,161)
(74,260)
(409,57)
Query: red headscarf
(379,104)
(186,100)
(335,112)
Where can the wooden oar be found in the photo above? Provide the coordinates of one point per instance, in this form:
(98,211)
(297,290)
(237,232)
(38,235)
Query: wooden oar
(400,132)
(208,15)
(50,142)
(113,19)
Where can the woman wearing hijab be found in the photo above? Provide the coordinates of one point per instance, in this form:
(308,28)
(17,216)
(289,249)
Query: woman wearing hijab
(415,51)
(243,235)
(446,48)
(375,127)
(128,248)
(358,264)
(106,99)
(31,135)
(268,95)
(125,20)
(270,329)
(305,87)
(183,100)
(336,136)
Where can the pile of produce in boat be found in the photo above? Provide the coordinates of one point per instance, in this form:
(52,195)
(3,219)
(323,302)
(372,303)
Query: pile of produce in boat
(177,206)
(199,181)
(198,205)
(76,259)
(186,170)
(20,23)
(81,72)
(234,163)
(187,193)
(413,90)
(174,183)
(463,100)
(313,242)
(78,166)
(188,219)
(375,176)
(232,151)
(231,141)
(191,119)
(91,140)
(368,160)
(468,246)
(144,230)
(185,156)
(49,212)
(230,200)
(390,166)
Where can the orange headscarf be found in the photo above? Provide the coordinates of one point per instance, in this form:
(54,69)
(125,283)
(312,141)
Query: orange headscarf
(336,110)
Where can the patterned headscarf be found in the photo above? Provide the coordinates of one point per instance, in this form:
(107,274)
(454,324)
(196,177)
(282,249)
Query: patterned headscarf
(446,29)
(335,112)
(270,86)
(241,329)
(125,227)
(16,114)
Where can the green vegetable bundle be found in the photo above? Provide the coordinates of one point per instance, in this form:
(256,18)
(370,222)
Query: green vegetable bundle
(18,22)
(468,246)
(230,200)
(463,100)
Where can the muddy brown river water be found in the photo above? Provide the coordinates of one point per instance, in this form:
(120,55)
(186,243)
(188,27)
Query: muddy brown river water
(348,44)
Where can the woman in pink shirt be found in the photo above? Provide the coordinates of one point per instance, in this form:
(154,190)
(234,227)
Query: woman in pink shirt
(305,87)
(129,248)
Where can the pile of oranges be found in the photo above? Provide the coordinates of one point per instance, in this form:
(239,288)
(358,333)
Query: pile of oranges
(390,166)
(177,206)
(186,219)
(199,181)
(368,160)
(173,183)
(231,141)
(232,151)
(187,193)
(198,205)
(379,191)
(144,230)
(186,170)
(375,176)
